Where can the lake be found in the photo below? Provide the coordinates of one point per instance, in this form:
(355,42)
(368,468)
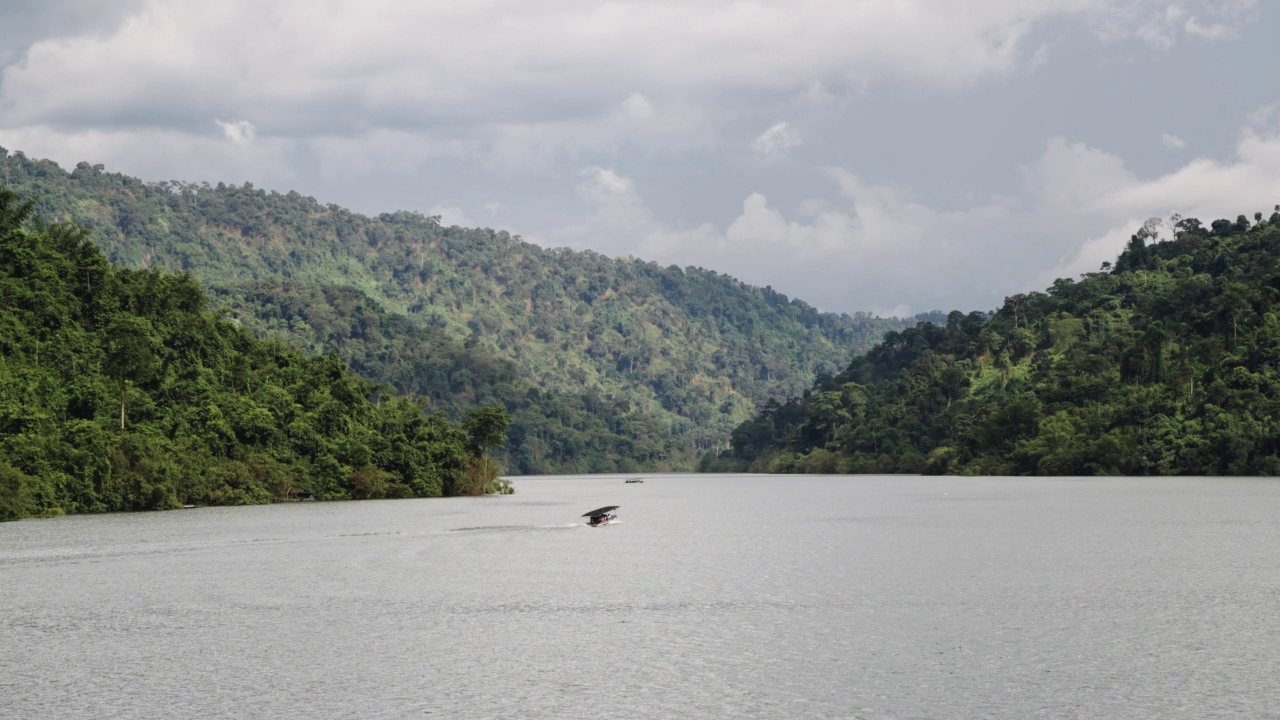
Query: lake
(716,596)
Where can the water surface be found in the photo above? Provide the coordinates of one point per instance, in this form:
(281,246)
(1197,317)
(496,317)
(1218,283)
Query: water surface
(715,597)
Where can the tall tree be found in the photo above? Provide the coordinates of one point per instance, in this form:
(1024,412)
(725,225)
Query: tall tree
(486,428)
(129,354)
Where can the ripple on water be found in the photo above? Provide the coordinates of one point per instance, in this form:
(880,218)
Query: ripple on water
(720,596)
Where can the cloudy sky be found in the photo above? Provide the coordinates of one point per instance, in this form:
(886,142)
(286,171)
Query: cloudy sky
(885,155)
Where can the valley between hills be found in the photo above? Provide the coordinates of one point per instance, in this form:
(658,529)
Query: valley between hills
(605,364)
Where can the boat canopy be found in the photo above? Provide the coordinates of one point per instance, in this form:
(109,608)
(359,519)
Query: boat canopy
(601,511)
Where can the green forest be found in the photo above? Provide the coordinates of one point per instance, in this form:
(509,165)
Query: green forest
(120,390)
(1166,362)
(604,364)
(550,431)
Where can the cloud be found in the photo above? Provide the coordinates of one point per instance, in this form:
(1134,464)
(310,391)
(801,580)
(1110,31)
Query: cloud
(25,21)
(877,247)
(240,132)
(1162,24)
(552,76)
(154,153)
(1161,28)
(381,151)
(450,216)
(778,141)
(1227,19)
(617,216)
(509,101)
(634,122)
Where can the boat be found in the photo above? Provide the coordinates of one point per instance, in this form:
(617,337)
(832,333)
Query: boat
(636,480)
(602,516)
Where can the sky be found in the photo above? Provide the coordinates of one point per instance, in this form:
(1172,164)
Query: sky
(890,156)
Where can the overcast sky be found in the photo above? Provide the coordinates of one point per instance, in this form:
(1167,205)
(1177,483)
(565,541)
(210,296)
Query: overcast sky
(895,156)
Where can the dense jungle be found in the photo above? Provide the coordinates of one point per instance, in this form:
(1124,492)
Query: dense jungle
(120,390)
(604,364)
(1165,362)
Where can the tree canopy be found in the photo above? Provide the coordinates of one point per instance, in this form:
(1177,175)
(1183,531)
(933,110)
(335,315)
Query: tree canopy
(1166,363)
(604,364)
(214,415)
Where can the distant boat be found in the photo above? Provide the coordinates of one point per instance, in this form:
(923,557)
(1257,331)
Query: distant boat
(602,516)
(303,497)
(636,480)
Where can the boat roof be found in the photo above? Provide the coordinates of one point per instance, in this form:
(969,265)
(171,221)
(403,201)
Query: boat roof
(601,511)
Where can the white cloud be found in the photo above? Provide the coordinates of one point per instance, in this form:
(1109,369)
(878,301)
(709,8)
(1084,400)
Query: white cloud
(450,215)
(154,153)
(778,141)
(1173,142)
(1161,28)
(1205,189)
(635,122)
(1161,24)
(879,248)
(618,215)
(240,132)
(1071,178)
(1265,120)
(1228,17)
(544,80)
(375,94)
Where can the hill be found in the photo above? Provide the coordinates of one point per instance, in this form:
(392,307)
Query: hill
(550,431)
(667,359)
(119,391)
(1166,363)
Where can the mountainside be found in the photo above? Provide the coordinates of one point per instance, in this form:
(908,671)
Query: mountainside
(655,353)
(118,391)
(550,431)
(1167,363)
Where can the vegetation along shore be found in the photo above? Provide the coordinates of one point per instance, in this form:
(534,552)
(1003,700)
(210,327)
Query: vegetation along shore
(1166,362)
(120,390)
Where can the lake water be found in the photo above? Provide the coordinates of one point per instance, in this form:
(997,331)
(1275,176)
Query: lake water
(714,597)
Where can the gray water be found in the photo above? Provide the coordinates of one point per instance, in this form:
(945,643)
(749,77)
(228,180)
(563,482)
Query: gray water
(715,597)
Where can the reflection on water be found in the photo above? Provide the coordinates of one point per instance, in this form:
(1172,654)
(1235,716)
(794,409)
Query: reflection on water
(718,596)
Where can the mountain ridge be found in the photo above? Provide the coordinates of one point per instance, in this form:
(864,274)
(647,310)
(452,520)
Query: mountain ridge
(695,350)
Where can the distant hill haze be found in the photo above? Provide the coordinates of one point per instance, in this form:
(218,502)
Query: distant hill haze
(606,364)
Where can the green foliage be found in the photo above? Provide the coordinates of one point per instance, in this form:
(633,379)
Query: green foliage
(605,364)
(1167,364)
(129,355)
(550,430)
(216,416)
(486,427)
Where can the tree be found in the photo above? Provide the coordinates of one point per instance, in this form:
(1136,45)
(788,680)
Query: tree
(486,427)
(13,211)
(129,354)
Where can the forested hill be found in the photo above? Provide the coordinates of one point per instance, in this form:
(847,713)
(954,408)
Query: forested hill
(118,391)
(550,432)
(1167,363)
(689,352)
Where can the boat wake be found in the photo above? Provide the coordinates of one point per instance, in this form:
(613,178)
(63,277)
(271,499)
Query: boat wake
(515,528)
